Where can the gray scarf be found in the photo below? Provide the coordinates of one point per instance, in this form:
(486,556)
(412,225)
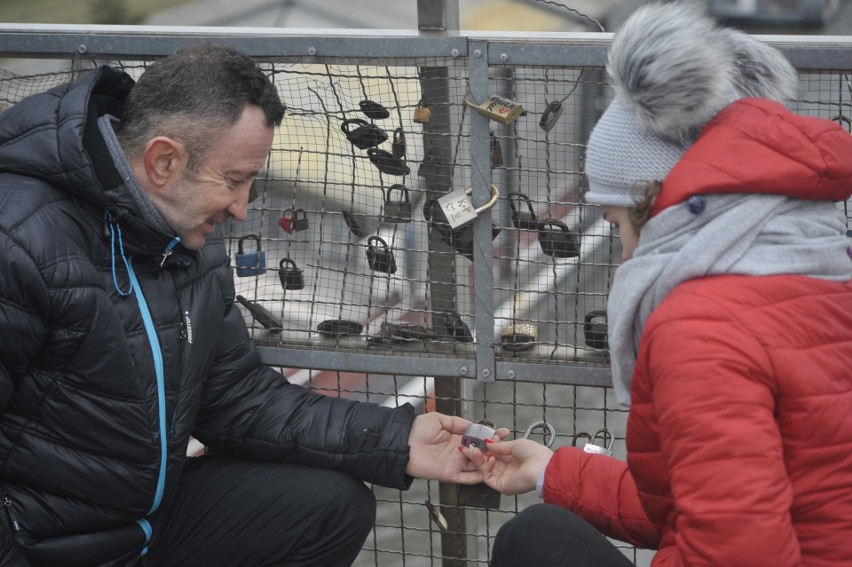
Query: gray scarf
(756,235)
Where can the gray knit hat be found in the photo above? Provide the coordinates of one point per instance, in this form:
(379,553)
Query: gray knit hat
(673,68)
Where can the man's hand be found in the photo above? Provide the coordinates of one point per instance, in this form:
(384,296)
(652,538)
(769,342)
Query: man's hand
(435,442)
(511,467)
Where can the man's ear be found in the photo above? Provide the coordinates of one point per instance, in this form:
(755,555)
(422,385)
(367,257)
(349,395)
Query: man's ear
(164,160)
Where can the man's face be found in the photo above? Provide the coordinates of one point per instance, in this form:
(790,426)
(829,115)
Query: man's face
(219,189)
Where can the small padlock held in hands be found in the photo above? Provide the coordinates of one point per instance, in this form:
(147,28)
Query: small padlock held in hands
(478,435)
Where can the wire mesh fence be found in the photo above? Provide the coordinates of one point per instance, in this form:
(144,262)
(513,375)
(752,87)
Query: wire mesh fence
(355,282)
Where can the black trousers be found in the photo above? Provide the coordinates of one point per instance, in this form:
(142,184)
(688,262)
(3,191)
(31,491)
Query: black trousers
(235,513)
(545,535)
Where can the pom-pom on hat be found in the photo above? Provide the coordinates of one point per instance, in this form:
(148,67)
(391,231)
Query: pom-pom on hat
(673,68)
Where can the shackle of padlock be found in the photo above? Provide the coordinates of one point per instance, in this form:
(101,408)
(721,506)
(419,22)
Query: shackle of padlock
(365,135)
(387,163)
(596,334)
(379,255)
(549,432)
(290,275)
(398,145)
(250,263)
(374,110)
(398,211)
(602,434)
(841,119)
(524,220)
(293,220)
(558,242)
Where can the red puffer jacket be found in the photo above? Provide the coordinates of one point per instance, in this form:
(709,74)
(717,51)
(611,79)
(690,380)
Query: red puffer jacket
(740,439)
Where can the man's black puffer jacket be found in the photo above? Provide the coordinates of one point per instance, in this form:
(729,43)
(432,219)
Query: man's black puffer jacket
(82,415)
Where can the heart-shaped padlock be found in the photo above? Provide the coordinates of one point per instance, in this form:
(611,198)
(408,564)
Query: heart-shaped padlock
(293,220)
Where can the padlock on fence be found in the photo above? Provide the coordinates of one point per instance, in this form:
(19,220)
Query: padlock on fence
(596,334)
(458,208)
(498,108)
(380,256)
(605,436)
(496,152)
(548,431)
(251,263)
(374,110)
(551,115)
(362,134)
(398,145)
(290,275)
(522,219)
(558,241)
(293,220)
(422,113)
(397,210)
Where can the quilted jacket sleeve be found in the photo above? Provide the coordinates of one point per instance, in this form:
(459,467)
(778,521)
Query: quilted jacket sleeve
(252,411)
(714,402)
(601,490)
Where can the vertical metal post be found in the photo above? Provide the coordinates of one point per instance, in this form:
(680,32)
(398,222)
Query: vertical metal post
(443,16)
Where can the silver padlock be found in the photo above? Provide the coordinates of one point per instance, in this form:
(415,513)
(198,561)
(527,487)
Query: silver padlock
(458,208)
(604,434)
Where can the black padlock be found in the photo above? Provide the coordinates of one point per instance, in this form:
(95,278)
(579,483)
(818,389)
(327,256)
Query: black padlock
(364,135)
(398,145)
(379,256)
(250,263)
(374,110)
(262,315)
(524,220)
(550,116)
(386,163)
(596,334)
(290,275)
(353,225)
(398,211)
(559,241)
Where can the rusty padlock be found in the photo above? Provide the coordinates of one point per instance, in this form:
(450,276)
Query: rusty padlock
(293,220)
(559,241)
(380,256)
(398,145)
(291,276)
(398,211)
(522,219)
(496,152)
(422,113)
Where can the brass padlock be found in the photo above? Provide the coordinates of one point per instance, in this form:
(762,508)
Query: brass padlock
(379,256)
(498,108)
(398,211)
(521,219)
(422,114)
(596,334)
(290,275)
(558,242)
